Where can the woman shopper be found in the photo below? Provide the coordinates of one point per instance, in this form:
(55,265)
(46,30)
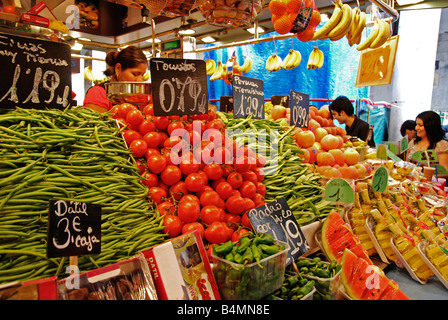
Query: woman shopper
(429,136)
(128,64)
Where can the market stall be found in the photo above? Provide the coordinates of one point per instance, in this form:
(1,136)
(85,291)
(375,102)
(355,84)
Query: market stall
(165,198)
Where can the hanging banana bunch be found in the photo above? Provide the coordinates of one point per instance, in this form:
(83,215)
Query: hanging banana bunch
(377,37)
(274,63)
(316,59)
(245,67)
(292,60)
(210,66)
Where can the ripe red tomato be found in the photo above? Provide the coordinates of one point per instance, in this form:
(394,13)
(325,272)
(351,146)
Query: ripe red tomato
(190,227)
(178,190)
(261,188)
(258,200)
(188,211)
(216,232)
(245,221)
(174,126)
(149,179)
(161,123)
(189,197)
(141,167)
(156,163)
(233,220)
(146,126)
(250,176)
(260,160)
(217,124)
(248,204)
(171,174)
(242,163)
(235,179)
(138,147)
(248,189)
(260,174)
(235,204)
(222,155)
(130,135)
(211,213)
(124,109)
(157,194)
(150,152)
(238,234)
(195,182)
(149,110)
(209,198)
(135,117)
(166,207)
(213,171)
(188,164)
(163,137)
(152,139)
(173,225)
(224,189)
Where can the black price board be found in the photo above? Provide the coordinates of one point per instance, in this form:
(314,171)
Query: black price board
(280,100)
(74,228)
(36,73)
(300,109)
(226,104)
(248,97)
(277,219)
(179,86)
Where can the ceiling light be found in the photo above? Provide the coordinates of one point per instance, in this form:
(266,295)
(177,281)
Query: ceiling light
(77,46)
(84,39)
(156,40)
(208,39)
(406,2)
(187,32)
(252,30)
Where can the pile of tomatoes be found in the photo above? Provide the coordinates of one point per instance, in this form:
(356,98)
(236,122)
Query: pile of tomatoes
(212,194)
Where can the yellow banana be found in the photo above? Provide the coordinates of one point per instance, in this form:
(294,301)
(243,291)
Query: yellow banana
(315,59)
(290,60)
(274,63)
(210,66)
(218,72)
(88,75)
(344,24)
(373,34)
(247,65)
(320,62)
(298,59)
(357,32)
(321,33)
(382,36)
(311,60)
(356,15)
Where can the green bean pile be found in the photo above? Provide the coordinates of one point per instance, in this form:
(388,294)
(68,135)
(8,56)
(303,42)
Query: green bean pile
(73,154)
(290,178)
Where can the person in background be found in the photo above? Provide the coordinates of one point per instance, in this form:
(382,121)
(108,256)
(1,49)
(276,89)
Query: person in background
(128,64)
(408,129)
(429,136)
(342,110)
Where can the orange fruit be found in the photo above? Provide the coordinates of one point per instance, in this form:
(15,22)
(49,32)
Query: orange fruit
(306,35)
(278,7)
(283,24)
(315,19)
(293,6)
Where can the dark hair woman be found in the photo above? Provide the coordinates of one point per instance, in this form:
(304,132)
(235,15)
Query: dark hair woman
(429,136)
(128,64)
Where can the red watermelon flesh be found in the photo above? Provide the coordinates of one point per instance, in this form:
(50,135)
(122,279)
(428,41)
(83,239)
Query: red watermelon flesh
(365,281)
(337,236)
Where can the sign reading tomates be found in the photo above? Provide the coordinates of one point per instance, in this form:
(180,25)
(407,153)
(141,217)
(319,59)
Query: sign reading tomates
(179,86)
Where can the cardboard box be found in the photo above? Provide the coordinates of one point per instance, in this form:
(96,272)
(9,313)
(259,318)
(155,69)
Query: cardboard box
(34,19)
(181,270)
(126,280)
(40,289)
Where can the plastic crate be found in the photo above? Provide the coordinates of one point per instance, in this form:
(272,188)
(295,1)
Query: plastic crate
(250,282)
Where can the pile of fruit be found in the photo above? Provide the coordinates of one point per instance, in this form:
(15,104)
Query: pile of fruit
(206,187)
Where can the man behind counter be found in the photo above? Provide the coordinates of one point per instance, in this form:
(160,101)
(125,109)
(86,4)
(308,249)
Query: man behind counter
(343,111)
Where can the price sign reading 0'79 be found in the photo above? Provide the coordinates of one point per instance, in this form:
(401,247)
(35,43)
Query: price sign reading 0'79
(179,86)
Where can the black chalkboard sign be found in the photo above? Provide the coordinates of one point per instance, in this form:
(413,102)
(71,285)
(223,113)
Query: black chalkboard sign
(300,109)
(179,86)
(35,73)
(277,219)
(226,104)
(248,97)
(74,228)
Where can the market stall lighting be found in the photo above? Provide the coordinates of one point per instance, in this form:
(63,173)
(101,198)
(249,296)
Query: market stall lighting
(187,32)
(156,40)
(77,46)
(252,30)
(208,39)
(407,2)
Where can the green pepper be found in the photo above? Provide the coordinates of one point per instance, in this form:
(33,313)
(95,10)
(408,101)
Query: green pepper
(229,257)
(307,288)
(269,249)
(264,238)
(293,291)
(223,248)
(302,263)
(256,254)
(293,281)
(304,270)
(333,265)
(248,257)
(302,282)
(244,244)
(316,259)
(322,273)
(238,258)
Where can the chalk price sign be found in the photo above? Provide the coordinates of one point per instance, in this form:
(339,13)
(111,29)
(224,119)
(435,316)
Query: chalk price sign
(179,86)
(248,97)
(74,228)
(35,73)
(277,219)
(300,109)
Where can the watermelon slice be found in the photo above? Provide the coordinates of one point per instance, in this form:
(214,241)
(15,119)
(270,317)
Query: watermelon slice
(365,281)
(338,236)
